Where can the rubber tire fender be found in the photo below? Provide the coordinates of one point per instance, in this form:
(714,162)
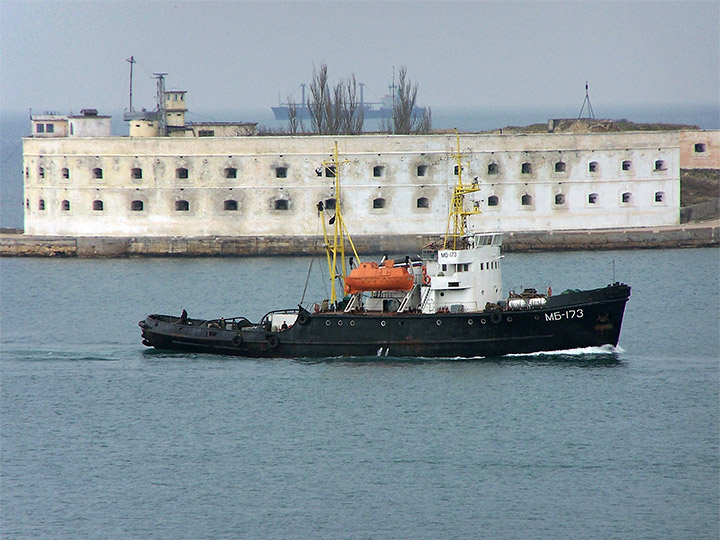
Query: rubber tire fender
(273,341)
(303,318)
(237,340)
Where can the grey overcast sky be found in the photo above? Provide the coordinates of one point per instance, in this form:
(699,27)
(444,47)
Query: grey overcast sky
(65,55)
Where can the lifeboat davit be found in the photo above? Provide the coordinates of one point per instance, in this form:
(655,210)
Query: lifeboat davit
(370,276)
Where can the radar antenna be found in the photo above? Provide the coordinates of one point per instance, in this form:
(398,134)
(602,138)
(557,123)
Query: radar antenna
(591,113)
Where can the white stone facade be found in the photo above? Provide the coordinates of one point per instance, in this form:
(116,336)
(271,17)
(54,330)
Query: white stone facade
(392,184)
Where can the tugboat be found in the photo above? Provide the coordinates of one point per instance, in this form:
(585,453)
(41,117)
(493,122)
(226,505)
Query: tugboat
(446,303)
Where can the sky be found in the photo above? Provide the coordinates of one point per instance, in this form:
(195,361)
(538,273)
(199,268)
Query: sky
(65,55)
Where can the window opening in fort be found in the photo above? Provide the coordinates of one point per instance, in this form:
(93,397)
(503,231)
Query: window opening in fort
(97,172)
(526,200)
(136,173)
(379,203)
(700,148)
(660,165)
(230,172)
(65,206)
(136,206)
(280,172)
(455,170)
(65,172)
(378,170)
(205,132)
(493,200)
(41,205)
(526,168)
(281,204)
(560,166)
(626,165)
(593,198)
(422,170)
(50,128)
(330,204)
(593,166)
(181,172)
(230,205)
(559,198)
(423,202)
(182,206)
(330,171)
(27,204)
(659,196)
(40,128)
(41,172)
(493,168)
(626,197)
(98,205)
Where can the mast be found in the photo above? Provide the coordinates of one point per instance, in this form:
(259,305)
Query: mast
(457,216)
(162,116)
(132,62)
(335,247)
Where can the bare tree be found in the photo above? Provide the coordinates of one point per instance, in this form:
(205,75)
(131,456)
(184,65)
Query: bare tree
(320,97)
(404,104)
(292,116)
(353,113)
(425,124)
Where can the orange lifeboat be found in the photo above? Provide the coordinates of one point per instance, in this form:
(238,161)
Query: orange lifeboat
(370,276)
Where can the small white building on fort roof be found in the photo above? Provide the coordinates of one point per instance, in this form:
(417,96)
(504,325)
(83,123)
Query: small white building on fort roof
(221,179)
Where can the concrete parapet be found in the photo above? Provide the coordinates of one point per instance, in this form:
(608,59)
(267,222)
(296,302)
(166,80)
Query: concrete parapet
(18,245)
(701,211)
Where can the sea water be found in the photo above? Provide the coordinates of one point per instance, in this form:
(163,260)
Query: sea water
(101,437)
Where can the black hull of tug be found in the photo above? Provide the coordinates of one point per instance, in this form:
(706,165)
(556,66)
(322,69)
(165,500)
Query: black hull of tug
(568,321)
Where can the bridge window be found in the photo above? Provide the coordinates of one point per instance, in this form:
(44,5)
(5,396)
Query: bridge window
(378,170)
(560,166)
(97,172)
(659,196)
(493,168)
(626,165)
(41,204)
(230,172)
(526,168)
(182,206)
(136,173)
(280,172)
(593,166)
(281,204)
(700,148)
(98,205)
(379,203)
(136,206)
(526,200)
(65,172)
(593,198)
(493,200)
(230,205)
(65,206)
(422,170)
(423,202)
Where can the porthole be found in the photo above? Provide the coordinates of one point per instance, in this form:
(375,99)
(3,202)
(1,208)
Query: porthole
(537,317)
(509,319)
(401,323)
(340,323)
(483,321)
(327,322)
(438,322)
(382,323)
(470,322)
(352,323)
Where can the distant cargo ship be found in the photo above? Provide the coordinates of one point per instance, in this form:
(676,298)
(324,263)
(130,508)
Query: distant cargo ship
(373,110)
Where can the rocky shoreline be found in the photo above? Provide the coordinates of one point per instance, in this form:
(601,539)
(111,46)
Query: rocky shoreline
(16,244)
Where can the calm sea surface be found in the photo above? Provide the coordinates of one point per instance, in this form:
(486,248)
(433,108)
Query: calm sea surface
(103,438)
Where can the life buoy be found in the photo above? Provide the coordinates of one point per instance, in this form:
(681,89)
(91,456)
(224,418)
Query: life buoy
(303,318)
(316,308)
(237,340)
(273,341)
(496,318)
(426,278)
